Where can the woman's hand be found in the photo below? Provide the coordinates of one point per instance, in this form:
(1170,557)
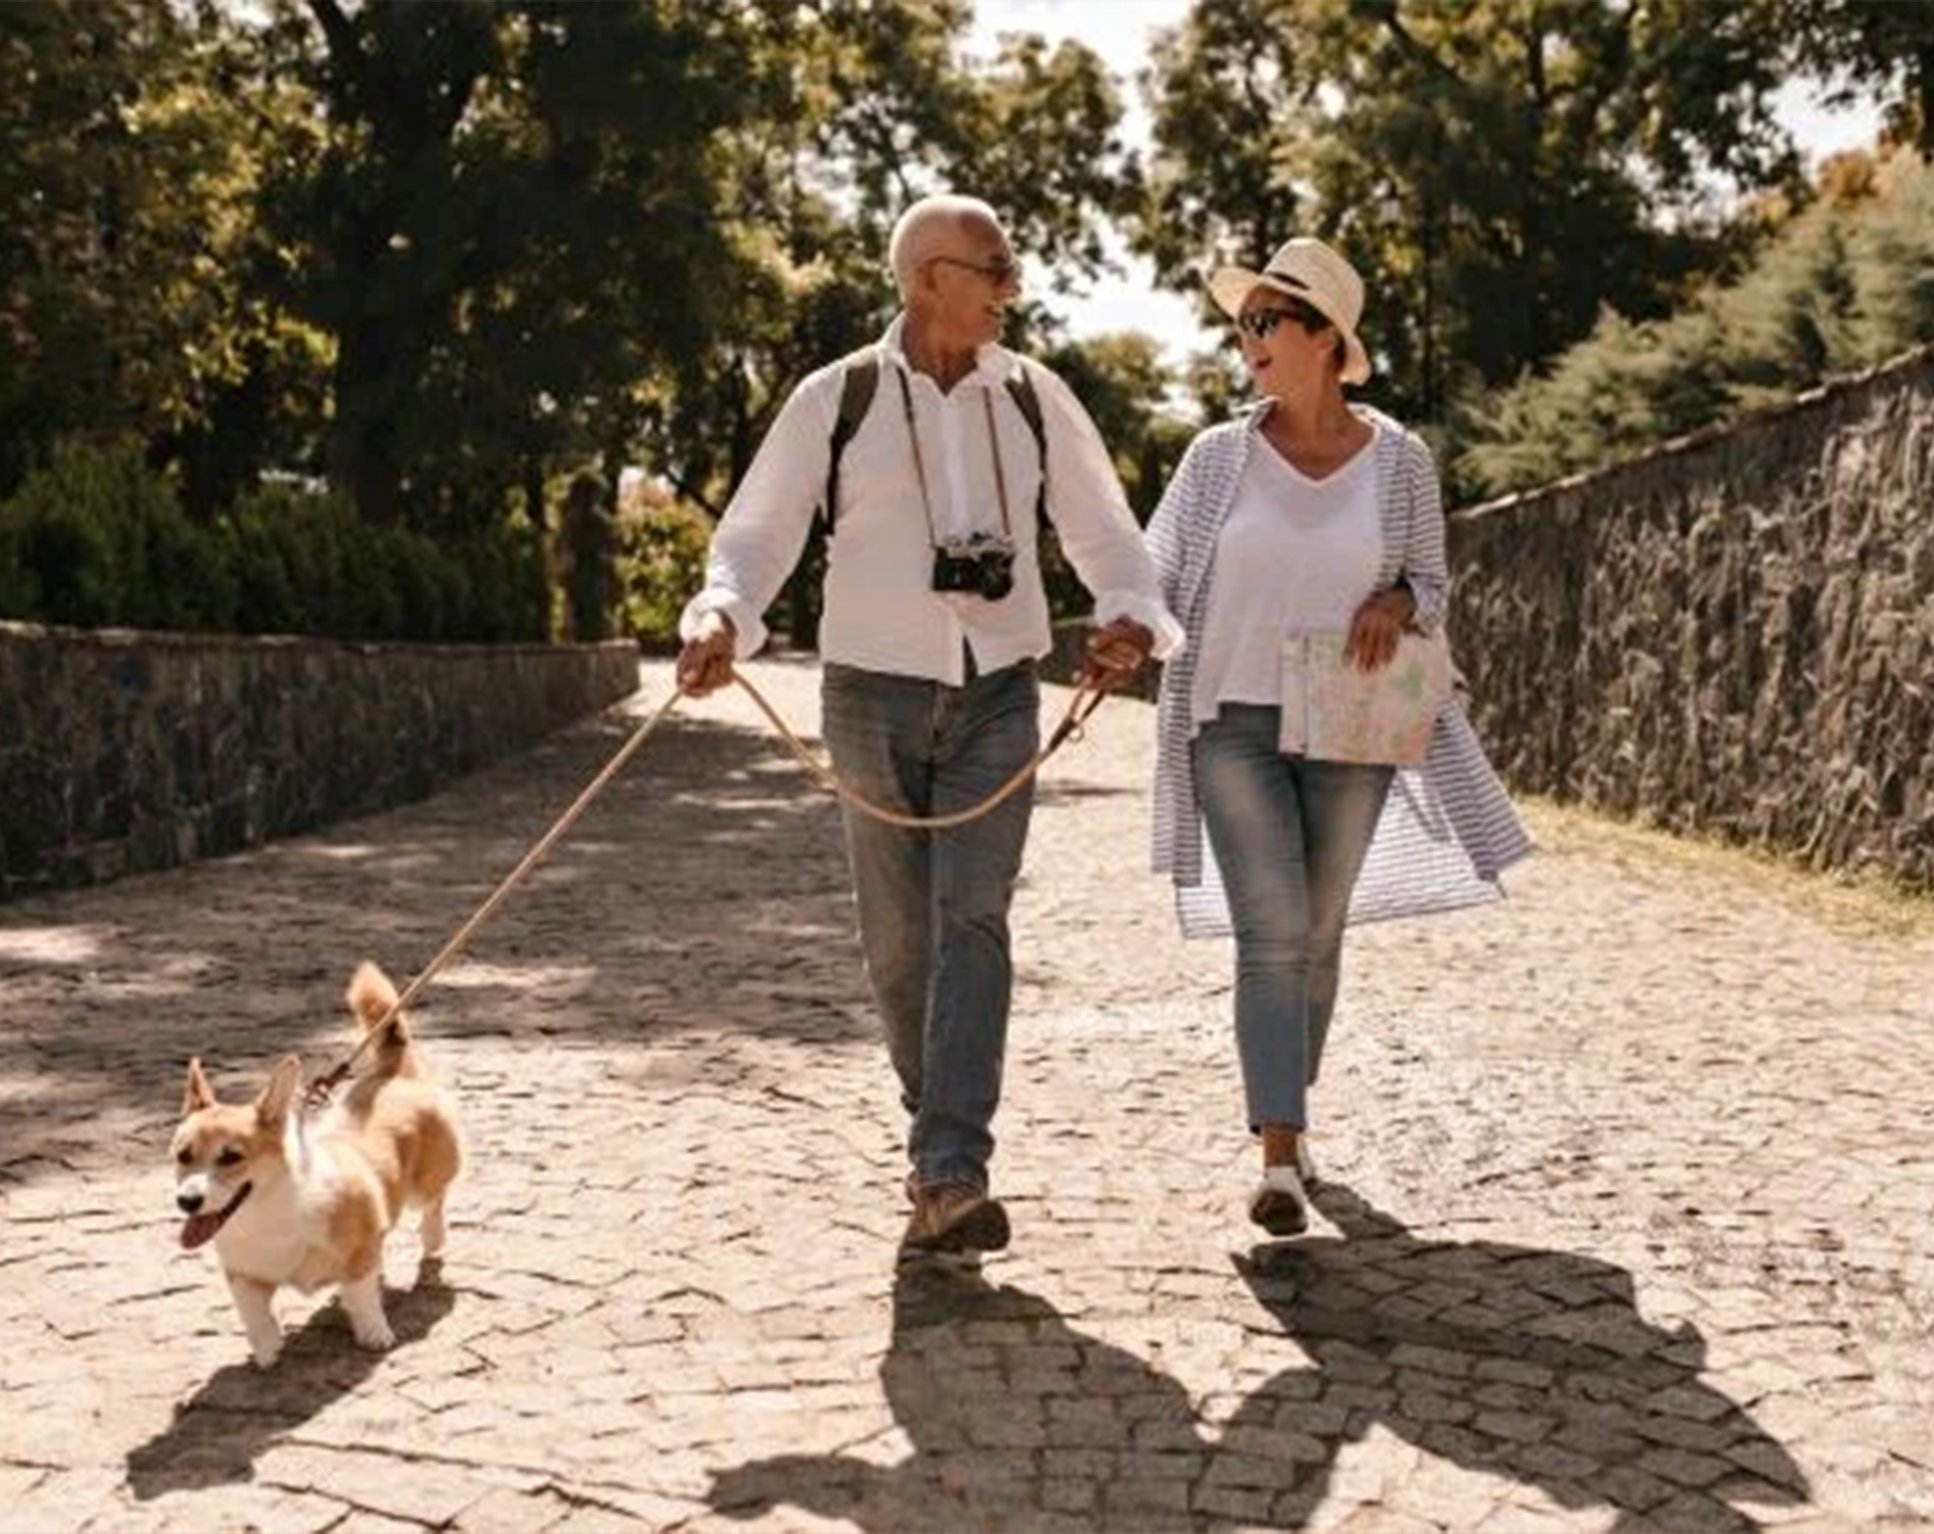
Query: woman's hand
(1378,625)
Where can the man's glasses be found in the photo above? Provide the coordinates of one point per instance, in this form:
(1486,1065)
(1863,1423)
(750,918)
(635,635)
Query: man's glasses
(1262,323)
(1000,271)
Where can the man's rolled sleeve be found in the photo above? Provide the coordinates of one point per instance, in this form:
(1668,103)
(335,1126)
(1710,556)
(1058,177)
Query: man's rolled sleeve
(1149,613)
(748,627)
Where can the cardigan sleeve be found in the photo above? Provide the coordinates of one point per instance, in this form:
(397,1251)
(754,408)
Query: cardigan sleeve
(1164,532)
(1426,567)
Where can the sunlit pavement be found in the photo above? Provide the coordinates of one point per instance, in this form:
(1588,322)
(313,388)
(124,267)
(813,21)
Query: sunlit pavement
(1624,1225)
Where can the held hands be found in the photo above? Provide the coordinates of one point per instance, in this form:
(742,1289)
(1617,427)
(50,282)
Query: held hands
(1378,625)
(705,664)
(1116,652)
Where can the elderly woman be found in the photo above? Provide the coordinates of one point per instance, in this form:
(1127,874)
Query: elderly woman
(1306,516)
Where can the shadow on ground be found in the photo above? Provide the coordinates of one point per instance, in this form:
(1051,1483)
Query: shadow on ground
(1533,1367)
(217,1435)
(668,906)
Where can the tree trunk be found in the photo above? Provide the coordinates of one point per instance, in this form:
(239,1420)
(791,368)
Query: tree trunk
(362,441)
(1924,82)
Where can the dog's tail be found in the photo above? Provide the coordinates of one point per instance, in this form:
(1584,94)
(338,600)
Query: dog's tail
(371,996)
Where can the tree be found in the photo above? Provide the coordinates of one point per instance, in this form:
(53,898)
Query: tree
(1873,46)
(507,220)
(1846,284)
(1124,385)
(1497,169)
(125,195)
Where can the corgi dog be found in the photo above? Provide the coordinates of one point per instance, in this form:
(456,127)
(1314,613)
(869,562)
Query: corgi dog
(308,1204)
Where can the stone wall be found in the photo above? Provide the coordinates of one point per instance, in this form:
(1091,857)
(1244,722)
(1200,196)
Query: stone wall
(122,752)
(1733,634)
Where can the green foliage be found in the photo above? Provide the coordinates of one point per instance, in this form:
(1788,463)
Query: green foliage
(443,253)
(129,159)
(867,106)
(1123,384)
(98,538)
(661,565)
(1845,285)
(1497,169)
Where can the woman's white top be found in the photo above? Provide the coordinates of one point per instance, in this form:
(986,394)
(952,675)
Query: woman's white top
(1296,556)
(1448,829)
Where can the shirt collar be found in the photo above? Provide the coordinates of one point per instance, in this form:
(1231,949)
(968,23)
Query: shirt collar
(994,364)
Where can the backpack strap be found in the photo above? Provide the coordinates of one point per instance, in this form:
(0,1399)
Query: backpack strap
(858,384)
(860,381)
(1020,389)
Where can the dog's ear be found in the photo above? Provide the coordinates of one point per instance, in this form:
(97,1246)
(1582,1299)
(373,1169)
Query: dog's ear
(272,1107)
(199,1094)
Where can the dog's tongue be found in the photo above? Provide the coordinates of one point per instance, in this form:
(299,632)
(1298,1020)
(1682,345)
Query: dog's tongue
(199,1228)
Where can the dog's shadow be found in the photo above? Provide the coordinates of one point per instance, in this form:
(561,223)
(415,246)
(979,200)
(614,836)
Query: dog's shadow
(218,1433)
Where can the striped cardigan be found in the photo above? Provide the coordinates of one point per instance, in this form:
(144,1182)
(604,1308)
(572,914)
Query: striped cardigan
(1447,829)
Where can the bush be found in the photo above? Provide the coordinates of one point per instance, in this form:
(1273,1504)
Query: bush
(19,591)
(99,539)
(661,565)
(1845,285)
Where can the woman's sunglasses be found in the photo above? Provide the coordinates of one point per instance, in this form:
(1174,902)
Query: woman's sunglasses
(1262,323)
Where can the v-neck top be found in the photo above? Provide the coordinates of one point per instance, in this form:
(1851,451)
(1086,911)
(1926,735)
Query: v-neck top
(1295,556)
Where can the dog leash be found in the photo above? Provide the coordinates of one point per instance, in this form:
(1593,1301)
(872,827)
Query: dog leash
(1088,696)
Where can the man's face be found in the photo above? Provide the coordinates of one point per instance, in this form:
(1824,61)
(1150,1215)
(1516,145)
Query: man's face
(970,280)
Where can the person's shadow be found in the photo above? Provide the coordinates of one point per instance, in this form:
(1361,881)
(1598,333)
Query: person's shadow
(1531,1366)
(1527,1364)
(1018,1422)
(217,1435)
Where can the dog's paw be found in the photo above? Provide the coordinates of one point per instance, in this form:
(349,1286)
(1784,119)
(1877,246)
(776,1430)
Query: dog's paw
(374,1335)
(266,1351)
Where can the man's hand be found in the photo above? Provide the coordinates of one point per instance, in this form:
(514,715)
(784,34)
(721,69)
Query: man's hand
(705,664)
(1116,652)
(1378,625)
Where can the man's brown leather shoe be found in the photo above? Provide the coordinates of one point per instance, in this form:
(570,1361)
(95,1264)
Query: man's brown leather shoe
(954,1217)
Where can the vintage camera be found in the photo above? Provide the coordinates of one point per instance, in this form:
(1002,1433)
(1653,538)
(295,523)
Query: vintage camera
(981,564)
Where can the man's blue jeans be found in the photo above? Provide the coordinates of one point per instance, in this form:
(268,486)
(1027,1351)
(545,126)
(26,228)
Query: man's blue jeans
(933,904)
(1289,836)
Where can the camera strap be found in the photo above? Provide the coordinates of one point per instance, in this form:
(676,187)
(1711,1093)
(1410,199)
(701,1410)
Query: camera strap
(860,380)
(920,462)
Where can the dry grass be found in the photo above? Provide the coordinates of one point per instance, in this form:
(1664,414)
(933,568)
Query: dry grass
(1869,903)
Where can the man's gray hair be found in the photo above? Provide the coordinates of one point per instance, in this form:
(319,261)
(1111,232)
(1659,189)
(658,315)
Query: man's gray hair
(925,226)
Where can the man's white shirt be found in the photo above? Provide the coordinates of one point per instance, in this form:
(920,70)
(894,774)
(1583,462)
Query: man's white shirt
(881,611)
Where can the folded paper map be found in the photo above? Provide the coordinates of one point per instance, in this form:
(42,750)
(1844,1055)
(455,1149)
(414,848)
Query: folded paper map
(1333,711)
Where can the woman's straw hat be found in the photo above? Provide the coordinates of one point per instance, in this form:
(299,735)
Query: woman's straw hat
(1309,270)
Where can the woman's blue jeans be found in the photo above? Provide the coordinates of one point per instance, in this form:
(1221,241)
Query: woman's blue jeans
(1289,836)
(933,904)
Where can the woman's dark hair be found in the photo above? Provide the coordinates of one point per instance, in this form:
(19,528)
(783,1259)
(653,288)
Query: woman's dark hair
(1313,319)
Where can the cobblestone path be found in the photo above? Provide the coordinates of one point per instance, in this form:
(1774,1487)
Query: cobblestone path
(1626,1221)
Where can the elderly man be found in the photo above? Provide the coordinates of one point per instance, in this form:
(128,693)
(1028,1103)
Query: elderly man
(935,453)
